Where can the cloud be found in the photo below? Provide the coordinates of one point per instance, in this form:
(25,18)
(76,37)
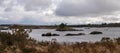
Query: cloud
(26,11)
(35,4)
(58,11)
(87,7)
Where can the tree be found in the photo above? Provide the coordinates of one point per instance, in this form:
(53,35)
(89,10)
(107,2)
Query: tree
(62,25)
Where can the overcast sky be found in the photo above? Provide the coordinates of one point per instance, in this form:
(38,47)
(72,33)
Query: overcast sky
(43,12)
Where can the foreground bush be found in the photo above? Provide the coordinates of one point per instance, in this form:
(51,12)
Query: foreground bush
(118,40)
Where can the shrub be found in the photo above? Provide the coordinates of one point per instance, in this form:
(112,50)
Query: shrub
(118,40)
(28,50)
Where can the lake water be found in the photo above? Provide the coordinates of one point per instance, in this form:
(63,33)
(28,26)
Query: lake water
(112,32)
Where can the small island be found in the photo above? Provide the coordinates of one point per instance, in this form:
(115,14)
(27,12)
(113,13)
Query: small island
(79,34)
(50,34)
(64,27)
(96,32)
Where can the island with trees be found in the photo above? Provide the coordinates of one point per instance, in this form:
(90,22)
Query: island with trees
(64,27)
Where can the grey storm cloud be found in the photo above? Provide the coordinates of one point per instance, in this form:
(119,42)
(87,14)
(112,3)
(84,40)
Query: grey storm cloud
(1,1)
(35,4)
(29,5)
(87,7)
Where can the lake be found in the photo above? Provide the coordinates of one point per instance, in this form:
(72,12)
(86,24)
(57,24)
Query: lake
(112,32)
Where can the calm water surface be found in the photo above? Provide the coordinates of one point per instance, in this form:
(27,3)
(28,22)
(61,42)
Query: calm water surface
(112,32)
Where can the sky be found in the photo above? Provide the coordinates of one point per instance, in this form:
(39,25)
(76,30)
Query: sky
(50,12)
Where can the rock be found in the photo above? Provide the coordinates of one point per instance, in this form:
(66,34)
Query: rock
(75,34)
(49,34)
(96,32)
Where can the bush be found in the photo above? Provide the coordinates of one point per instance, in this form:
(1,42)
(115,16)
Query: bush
(29,50)
(106,39)
(118,40)
(19,37)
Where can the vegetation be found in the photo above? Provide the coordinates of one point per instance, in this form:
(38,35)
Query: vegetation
(15,41)
(96,32)
(55,26)
(64,27)
(75,34)
(19,42)
(50,34)
(118,40)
